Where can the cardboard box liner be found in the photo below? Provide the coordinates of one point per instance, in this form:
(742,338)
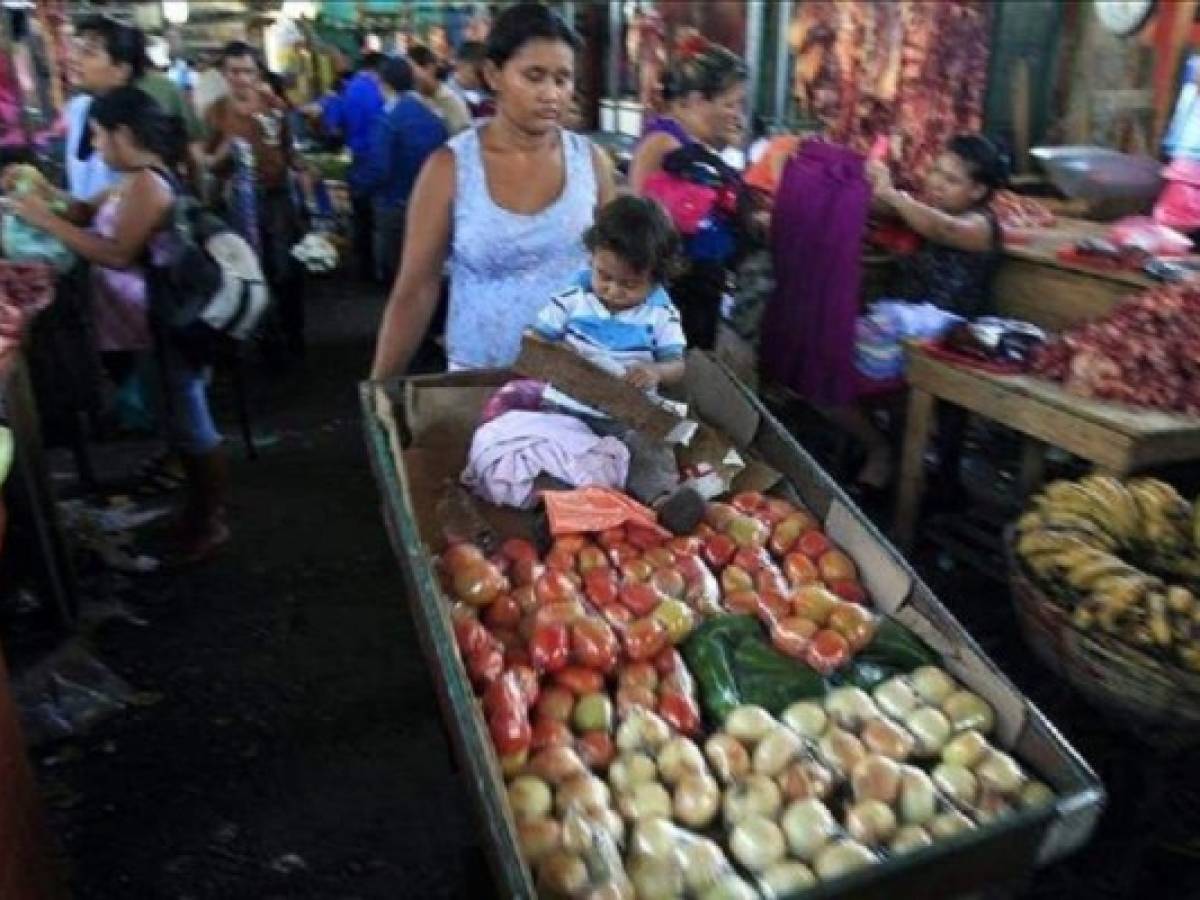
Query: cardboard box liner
(419,430)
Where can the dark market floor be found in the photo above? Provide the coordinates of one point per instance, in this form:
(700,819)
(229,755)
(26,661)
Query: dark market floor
(297,750)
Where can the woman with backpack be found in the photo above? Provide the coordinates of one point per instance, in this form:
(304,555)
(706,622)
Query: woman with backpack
(131,232)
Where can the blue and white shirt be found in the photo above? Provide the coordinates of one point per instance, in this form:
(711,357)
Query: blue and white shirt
(649,332)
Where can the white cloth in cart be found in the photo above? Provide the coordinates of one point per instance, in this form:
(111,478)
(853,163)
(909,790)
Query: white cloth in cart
(510,452)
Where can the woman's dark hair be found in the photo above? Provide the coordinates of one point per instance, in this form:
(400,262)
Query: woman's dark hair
(525,22)
(984,161)
(372,62)
(123,43)
(397,74)
(422,56)
(240,50)
(637,230)
(472,52)
(709,72)
(153,129)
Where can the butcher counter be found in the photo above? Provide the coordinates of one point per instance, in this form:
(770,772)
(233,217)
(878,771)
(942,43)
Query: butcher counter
(1034,284)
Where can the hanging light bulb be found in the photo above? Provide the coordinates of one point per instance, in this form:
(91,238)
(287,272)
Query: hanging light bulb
(175,11)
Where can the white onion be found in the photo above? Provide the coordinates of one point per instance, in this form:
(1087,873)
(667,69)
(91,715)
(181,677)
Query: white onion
(679,756)
(697,798)
(909,838)
(896,697)
(754,795)
(841,858)
(966,749)
(728,757)
(757,843)
(776,749)
(998,772)
(933,684)
(806,719)
(785,879)
(749,724)
(966,710)
(918,800)
(931,729)
(808,825)
(871,822)
(957,783)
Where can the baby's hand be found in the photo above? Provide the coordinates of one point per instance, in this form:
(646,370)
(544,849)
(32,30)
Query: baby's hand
(642,377)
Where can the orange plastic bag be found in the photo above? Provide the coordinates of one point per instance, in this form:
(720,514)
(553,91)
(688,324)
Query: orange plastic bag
(596,509)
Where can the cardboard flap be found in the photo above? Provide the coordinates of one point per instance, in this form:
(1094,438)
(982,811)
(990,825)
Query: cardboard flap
(887,582)
(717,400)
(579,379)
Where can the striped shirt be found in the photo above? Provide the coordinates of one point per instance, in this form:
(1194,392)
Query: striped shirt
(648,332)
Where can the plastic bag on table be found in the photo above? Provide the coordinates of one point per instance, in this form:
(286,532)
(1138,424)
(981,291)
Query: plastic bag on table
(1148,236)
(666,860)
(25,243)
(591,509)
(587,860)
(1178,205)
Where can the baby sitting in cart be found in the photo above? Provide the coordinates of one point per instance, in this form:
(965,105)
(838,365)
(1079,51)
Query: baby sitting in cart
(619,316)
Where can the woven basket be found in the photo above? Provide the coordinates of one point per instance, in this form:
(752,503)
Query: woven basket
(1160,703)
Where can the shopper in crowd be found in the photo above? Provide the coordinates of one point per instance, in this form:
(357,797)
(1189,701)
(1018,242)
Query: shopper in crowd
(108,55)
(131,225)
(441,99)
(953,269)
(505,204)
(467,81)
(708,98)
(354,117)
(403,138)
(255,117)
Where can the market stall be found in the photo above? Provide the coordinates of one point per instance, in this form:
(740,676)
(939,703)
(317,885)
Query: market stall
(856,741)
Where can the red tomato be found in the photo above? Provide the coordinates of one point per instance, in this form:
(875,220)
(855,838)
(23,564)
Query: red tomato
(669,662)
(561,560)
(614,537)
(591,558)
(850,590)
(680,712)
(632,695)
(526,599)
(644,538)
(640,599)
(528,680)
(516,656)
(719,550)
(616,615)
(485,665)
(510,734)
(791,635)
(854,623)
(508,638)
(526,571)
(644,638)
(659,557)
(470,635)
(556,702)
(517,550)
(639,674)
(478,584)
(668,582)
(799,569)
(748,502)
(773,606)
(460,555)
(836,566)
(685,546)
(596,749)
(773,511)
(550,733)
(813,601)
(718,515)
(735,580)
(813,544)
(703,531)
(691,567)
(623,553)
(579,680)
(570,543)
(636,570)
(554,587)
(770,581)
(601,586)
(550,647)
(827,652)
(743,602)
(557,613)
(501,562)
(594,644)
(752,559)
(504,612)
(505,695)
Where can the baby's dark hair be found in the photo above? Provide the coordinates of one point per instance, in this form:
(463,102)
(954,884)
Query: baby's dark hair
(985,162)
(639,231)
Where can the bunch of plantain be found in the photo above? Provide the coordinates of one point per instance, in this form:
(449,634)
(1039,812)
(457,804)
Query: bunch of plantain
(1114,552)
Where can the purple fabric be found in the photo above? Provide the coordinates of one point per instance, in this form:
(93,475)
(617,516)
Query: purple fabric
(816,234)
(667,125)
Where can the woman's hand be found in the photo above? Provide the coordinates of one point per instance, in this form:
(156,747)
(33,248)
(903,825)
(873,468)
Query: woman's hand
(33,209)
(645,378)
(880,178)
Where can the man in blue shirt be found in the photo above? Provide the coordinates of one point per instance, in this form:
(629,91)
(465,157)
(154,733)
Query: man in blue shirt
(362,104)
(403,138)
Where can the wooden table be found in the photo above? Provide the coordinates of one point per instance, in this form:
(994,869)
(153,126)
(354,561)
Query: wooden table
(1033,284)
(1117,439)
